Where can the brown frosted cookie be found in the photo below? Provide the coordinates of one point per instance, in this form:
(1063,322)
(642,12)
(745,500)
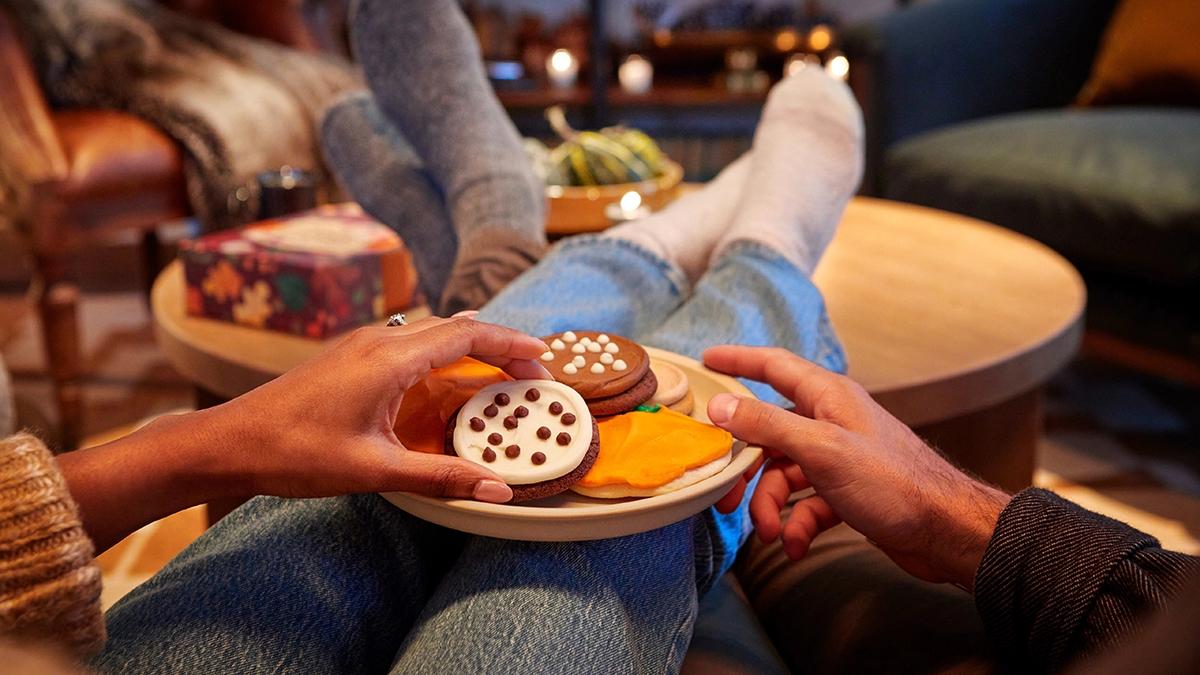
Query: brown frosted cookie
(597,365)
(626,400)
(537,435)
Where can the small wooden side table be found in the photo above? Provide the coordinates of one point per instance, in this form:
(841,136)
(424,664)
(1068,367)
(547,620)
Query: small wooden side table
(952,324)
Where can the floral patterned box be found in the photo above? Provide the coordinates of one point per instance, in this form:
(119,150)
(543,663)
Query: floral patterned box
(315,273)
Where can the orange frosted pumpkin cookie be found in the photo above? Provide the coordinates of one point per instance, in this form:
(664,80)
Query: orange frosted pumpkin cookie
(651,453)
(430,403)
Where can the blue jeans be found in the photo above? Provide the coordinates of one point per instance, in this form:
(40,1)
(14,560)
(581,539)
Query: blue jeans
(352,584)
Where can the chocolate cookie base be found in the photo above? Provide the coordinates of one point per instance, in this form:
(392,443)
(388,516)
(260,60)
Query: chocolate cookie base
(627,400)
(546,488)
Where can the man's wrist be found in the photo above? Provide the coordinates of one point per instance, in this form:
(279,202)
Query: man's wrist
(967,522)
(981,508)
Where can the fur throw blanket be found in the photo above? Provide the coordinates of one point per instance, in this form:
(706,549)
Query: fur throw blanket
(236,105)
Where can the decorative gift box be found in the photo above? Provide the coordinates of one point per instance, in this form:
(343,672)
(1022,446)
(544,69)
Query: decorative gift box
(315,273)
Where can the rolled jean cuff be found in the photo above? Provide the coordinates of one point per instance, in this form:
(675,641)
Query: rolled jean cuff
(755,249)
(675,276)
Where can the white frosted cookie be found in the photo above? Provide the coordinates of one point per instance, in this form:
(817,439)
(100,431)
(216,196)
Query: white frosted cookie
(531,433)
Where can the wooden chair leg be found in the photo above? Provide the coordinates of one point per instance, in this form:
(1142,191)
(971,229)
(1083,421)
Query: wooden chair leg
(59,307)
(151,260)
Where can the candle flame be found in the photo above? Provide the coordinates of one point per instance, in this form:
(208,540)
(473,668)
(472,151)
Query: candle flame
(838,67)
(561,59)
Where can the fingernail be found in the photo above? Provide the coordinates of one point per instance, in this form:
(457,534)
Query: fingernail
(721,408)
(465,314)
(492,491)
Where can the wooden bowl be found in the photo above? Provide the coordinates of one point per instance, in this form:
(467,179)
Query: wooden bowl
(576,210)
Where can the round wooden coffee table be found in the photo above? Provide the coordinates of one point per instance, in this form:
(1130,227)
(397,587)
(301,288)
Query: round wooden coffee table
(952,324)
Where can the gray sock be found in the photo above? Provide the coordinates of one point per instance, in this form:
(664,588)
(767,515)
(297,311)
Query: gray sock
(384,175)
(423,65)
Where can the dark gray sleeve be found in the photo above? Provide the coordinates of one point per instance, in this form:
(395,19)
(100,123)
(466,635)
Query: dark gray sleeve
(1058,581)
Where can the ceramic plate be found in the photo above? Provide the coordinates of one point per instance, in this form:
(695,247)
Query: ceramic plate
(573,517)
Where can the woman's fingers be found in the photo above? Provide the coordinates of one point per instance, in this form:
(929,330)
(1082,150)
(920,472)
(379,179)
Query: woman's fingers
(520,369)
(445,476)
(433,343)
(810,517)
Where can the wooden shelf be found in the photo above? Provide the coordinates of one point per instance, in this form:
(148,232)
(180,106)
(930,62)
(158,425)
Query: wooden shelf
(669,95)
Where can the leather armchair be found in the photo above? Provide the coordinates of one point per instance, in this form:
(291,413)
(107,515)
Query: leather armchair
(95,172)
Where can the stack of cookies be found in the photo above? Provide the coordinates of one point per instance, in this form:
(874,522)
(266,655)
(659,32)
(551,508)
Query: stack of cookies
(543,437)
(610,372)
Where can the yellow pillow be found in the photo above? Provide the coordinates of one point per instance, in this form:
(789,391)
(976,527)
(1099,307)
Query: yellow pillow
(1150,54)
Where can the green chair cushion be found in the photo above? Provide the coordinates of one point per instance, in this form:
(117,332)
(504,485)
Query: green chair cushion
(1112,189)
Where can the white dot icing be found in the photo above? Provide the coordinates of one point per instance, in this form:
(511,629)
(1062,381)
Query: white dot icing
(548,356)
(560,460)
(585,340)
(578,348)
(570,336)
(619,365)
(578,361)
(570,369)
(597,368)
(593,347)
(557,345)
(603,339)
(605,358)
(612,348)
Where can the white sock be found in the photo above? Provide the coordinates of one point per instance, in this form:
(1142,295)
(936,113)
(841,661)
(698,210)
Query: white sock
(685,232)
(808,160)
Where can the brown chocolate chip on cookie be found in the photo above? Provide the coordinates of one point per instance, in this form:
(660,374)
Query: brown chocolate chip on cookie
(548,488)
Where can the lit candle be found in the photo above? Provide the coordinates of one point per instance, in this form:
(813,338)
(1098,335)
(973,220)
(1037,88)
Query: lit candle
(798,62)
(820,38)
(562,68)
(629,207)
(636,74)
(838,67)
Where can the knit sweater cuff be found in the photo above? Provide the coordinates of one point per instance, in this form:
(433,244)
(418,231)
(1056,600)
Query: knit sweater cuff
(49,584)
(1041,572)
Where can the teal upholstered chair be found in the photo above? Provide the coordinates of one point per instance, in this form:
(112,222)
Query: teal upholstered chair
(968,108)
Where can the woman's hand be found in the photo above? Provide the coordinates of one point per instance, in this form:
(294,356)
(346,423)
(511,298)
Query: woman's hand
(325,427)
(866,468)
(322,429)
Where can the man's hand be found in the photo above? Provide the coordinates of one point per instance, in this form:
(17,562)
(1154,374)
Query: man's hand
(325,427)
(865,467)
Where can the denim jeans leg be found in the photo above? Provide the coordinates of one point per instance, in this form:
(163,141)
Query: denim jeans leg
(750,296)
(592,282)
(284,586)
(611,606)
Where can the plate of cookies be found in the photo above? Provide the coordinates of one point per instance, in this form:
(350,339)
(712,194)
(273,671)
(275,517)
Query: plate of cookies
(619,443)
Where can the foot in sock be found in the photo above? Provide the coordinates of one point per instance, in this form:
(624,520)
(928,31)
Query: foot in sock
(435,92)
(807,162)
(384,175)
(685,232)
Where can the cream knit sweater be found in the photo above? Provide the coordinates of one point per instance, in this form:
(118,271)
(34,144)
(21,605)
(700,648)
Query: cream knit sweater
(49,584)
